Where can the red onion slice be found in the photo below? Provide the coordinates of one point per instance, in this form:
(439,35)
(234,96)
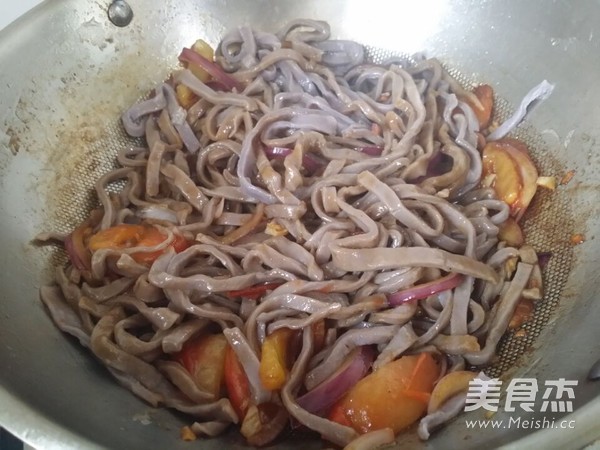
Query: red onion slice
(325,394)
(277,152)
(190,56)
(216,85)
(74,251)
(311,162)
(439,164)
(424,290)
(544,259)
(371,151)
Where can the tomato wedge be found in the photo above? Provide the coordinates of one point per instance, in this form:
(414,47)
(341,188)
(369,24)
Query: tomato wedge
(236,381)
(204,358)
(394,396)
(185,96)
(127,236)
(529,174)
(507,181)
(274,357)
(514,174)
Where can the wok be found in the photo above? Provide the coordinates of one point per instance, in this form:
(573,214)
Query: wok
(67,73)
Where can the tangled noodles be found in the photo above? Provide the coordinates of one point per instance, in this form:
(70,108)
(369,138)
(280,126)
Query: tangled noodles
(303,238)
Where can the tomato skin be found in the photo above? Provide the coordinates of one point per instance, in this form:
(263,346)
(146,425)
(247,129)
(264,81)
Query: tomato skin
(485,95)
(128,235)
(238,388)
(253,292)
(77,251)
(204,358)
(395,396)
(338,414)
(319,330)
(154,237)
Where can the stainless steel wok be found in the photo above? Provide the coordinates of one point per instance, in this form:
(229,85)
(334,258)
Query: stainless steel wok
(66,73)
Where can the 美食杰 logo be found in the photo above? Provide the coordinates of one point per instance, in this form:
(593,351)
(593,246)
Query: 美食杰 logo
(520,395)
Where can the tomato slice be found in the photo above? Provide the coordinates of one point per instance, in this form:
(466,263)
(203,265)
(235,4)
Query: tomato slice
(127,236)
(204,358)
(529,174)
(394,396)
(507,182)
(236,381)
(424,373)
(154,237)
(253,292)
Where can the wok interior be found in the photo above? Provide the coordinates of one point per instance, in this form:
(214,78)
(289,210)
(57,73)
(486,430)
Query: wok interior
(46,184)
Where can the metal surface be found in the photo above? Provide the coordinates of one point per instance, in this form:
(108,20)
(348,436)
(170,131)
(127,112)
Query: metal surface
(67,73)
(120,13)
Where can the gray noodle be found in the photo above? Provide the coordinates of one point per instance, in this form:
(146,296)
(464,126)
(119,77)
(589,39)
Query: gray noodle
(336,226)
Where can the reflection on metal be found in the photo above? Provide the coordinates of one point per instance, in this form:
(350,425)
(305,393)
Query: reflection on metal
(594,373)
(120,13)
